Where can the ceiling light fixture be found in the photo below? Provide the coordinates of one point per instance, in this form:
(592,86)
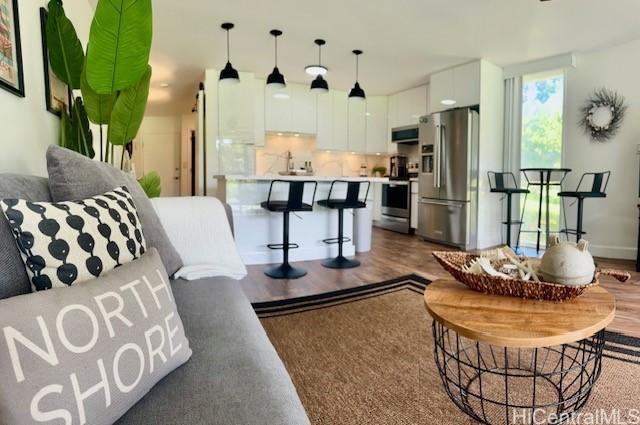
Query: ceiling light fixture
(319,84)
(318,69)
(276,79)
(228,74)
(356,92)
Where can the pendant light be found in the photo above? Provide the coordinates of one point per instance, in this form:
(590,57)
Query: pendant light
(356,92)
(319,84)
(228,74)
(276,79)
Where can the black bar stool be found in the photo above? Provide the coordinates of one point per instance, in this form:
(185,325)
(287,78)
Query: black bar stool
(350,201)
(598,190)
(294,203)
(506,184)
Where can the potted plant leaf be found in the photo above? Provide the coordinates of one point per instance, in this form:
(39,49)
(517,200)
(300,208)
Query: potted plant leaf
(113,77)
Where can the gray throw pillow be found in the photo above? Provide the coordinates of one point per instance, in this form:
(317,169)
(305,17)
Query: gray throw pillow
(89,352)
(73,176)
(13,276)
(63,243)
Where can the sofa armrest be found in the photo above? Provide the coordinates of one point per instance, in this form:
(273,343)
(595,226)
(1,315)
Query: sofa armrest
(229,212)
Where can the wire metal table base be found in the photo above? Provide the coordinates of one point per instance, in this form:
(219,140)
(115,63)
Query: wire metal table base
(500,385)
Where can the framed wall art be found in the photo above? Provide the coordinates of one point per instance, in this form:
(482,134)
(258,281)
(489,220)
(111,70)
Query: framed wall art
(56,92)
(11,71)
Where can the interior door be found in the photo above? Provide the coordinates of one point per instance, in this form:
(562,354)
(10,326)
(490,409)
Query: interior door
(454,173)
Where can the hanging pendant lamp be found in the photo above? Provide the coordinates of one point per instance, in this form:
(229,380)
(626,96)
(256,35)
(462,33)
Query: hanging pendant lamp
(356,92)
(228,74)
(319,84)
(276,79)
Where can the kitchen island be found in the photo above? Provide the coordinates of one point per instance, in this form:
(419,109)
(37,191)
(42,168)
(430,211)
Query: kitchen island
(255,227)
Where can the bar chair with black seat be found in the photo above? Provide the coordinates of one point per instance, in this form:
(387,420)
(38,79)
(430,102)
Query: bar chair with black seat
(505,183)
(294,203)
(353,201)
(598,190)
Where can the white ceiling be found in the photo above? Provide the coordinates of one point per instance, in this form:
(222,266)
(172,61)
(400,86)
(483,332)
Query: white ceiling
(403,40)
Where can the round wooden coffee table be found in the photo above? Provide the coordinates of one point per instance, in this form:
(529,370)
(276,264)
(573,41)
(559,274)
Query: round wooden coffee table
(506,360)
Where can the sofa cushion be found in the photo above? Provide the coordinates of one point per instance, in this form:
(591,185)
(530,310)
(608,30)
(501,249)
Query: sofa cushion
(13,276)
(234,376)
(73,176)
(87,353)
(63,243)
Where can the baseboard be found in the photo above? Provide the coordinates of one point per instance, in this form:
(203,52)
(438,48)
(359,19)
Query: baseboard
(618,252)
(300,254)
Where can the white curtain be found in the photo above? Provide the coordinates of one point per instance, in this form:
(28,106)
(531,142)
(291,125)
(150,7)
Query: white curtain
(512,140)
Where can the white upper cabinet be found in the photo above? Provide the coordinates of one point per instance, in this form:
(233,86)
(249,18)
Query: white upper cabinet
(277,109)
(340,120)
(357,127)
(258,108)
(460,85)
(303,109)
(291,110)
(392,122)
(236,110)
(376,118)
(411,105)
(324,137)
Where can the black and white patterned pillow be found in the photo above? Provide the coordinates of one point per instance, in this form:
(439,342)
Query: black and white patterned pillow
(70,242)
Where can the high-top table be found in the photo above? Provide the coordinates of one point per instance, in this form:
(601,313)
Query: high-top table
(504,359)
(544,179)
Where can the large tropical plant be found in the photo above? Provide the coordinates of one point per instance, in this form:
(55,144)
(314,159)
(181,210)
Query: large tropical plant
(113,76)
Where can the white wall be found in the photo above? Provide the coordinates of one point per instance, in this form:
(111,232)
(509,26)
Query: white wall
(27,127)
(490,154)
(611,223)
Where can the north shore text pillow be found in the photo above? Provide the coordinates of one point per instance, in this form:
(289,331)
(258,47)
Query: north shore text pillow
(86,354)
(63,243)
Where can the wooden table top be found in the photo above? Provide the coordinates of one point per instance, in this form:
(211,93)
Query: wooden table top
(515,322)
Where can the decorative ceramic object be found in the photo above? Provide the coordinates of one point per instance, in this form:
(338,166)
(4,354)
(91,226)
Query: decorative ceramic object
(567,263)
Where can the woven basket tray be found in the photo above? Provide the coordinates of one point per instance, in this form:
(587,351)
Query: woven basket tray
(453,263)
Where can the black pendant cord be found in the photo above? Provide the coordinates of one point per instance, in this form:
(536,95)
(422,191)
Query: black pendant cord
(276,39)
(357,66)
(228,55)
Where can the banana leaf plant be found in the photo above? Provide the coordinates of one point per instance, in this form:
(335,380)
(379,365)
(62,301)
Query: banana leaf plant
(113,77)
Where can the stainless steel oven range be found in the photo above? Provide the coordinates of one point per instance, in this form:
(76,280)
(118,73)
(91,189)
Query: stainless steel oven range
(396,206)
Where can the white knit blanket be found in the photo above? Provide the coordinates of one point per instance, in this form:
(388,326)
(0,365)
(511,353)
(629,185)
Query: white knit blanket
(199,230)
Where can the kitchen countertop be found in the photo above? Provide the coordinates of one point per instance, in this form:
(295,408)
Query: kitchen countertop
(294,178)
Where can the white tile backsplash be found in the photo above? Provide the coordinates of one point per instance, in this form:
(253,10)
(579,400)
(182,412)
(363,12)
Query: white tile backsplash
(272,158)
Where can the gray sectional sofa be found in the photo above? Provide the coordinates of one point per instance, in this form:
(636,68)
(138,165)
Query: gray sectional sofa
(234,376)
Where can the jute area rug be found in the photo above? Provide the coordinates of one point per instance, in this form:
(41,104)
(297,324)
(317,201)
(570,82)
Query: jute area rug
(365,356)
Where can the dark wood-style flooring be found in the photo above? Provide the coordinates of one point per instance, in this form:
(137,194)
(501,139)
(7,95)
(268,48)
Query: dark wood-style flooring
(393,255)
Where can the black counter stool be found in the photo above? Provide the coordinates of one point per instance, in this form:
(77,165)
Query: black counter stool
(598,190)
(350,201)
(505,183)
(293,203)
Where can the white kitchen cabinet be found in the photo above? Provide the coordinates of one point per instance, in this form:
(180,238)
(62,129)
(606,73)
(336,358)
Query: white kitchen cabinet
(392,122)
(377,117)
(411,105)
(460,84)
(290,110)
(357,126)
(340,115)
(236,110)
(258,109)
(303,109)
(324,113)
(277,109)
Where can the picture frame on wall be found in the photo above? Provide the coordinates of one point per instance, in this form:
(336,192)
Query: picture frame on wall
(56,92)
(11,70)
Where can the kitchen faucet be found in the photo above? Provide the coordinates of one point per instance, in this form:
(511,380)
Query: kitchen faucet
(289,161)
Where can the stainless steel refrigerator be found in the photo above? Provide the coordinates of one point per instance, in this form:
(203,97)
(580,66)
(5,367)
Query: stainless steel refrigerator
(447,209)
